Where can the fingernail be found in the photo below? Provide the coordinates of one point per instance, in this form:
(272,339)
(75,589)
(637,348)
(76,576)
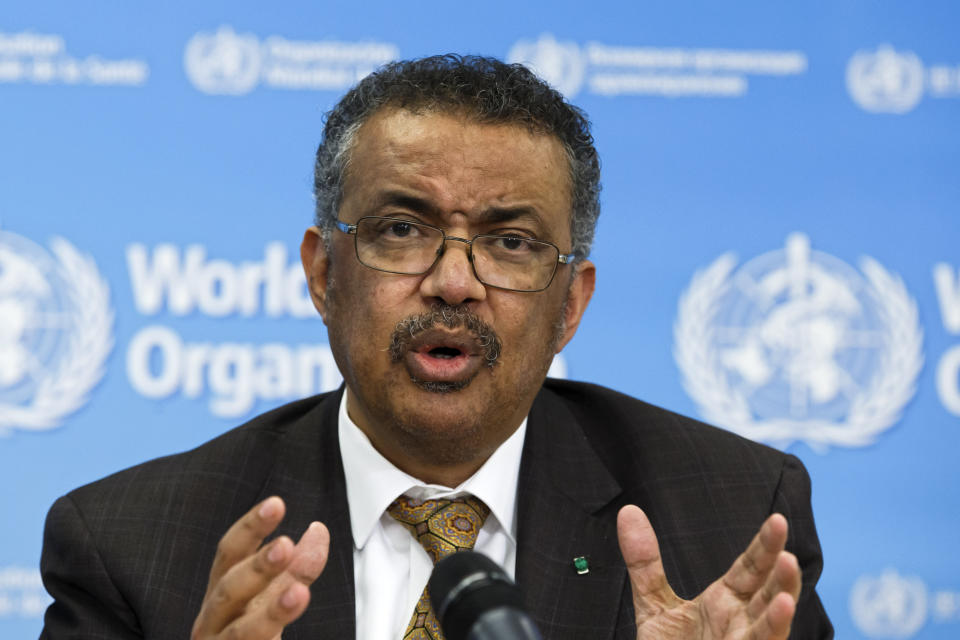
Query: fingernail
(288,599)
(275,554)
(268,508)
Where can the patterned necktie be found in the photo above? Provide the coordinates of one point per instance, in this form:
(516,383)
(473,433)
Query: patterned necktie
(442,527)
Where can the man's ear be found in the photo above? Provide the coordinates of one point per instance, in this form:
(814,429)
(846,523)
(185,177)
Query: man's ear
(578,297)
(316,264)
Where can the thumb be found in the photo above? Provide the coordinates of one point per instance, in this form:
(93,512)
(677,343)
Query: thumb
(641,554)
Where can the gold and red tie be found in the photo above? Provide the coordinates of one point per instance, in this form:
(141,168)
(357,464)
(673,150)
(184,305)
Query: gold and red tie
(442,527)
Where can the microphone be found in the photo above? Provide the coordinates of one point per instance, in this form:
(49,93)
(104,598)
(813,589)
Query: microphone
(475,600)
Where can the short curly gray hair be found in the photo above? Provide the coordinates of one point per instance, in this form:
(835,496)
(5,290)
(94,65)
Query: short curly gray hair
(485,89)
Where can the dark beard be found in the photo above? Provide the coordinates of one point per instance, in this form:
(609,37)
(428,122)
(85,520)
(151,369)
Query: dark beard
(450,316)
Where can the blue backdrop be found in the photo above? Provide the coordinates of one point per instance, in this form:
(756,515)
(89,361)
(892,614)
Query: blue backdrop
(777,253)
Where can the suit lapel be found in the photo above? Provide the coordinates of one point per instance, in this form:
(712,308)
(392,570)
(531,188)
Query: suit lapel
(308,475)
(566,510)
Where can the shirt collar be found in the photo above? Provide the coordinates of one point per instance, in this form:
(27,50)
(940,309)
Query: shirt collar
(373,482)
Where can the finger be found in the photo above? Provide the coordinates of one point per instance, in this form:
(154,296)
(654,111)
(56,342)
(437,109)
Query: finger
(774,624)
(750,570)
(308,560)
(243,538)
(785,578)
(641,554)
(231,594)
(261,623)
(311,553)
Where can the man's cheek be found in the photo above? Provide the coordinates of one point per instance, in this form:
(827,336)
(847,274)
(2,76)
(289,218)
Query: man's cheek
(389,290)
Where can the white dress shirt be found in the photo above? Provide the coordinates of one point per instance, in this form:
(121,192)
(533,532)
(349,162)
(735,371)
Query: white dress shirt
(390,568)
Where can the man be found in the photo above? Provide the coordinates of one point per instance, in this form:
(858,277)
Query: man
(456,202)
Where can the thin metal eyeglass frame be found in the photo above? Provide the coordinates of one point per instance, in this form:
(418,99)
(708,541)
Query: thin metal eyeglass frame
(351,229)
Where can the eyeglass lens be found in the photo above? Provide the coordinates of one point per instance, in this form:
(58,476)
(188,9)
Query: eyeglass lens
(405,247)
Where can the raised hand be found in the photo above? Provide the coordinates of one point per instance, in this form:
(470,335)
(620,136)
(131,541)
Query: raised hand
(254,591)
(754,600)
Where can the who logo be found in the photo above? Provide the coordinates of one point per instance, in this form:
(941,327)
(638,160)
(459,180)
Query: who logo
(889,605)
(56,331)
(223,63)
(886,80)
(562,64)
(796,345)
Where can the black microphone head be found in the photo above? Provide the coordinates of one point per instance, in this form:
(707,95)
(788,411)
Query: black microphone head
(458,571)
(464,586)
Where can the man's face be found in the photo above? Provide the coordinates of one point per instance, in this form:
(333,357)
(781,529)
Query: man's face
(434,401)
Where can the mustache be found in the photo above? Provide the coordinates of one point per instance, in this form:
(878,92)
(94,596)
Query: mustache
(451,317)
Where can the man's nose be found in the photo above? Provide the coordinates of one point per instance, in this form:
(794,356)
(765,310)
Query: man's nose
(452,278)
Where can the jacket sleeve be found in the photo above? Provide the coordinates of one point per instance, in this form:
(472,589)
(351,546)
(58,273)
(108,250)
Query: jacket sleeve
(793,501)
(86,602)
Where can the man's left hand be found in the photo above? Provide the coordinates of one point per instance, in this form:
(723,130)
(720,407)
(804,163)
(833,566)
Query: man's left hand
(754,600)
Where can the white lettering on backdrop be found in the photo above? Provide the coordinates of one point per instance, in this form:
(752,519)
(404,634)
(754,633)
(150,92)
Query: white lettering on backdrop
(947,282)
(179,281)
(160,364)
(187,282)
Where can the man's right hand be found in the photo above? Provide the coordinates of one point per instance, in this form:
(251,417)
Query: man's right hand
(254,591)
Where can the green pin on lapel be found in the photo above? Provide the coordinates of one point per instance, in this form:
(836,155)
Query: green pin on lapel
(581,565)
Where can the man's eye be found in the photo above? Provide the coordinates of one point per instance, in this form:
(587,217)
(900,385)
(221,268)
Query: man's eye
(397,229)
(513,243)
(400,229)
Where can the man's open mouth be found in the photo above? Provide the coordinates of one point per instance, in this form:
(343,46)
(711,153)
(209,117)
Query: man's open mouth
(444,348)
(444,352)
(442,355)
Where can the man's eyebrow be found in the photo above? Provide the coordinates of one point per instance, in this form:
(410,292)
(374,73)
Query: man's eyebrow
(491,215)
(406,201)
(495,215)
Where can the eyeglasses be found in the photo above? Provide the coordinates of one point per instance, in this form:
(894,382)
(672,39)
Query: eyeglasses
(396,245)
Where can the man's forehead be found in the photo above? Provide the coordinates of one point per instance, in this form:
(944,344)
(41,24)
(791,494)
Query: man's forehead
(405,120)
(420,136)
(413,158)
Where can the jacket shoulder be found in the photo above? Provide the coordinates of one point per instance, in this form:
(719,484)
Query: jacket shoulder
(612,418)
(237,462)
(115,548)
(221,455)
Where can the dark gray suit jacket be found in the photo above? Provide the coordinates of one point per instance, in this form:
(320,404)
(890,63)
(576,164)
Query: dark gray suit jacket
(128,556)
